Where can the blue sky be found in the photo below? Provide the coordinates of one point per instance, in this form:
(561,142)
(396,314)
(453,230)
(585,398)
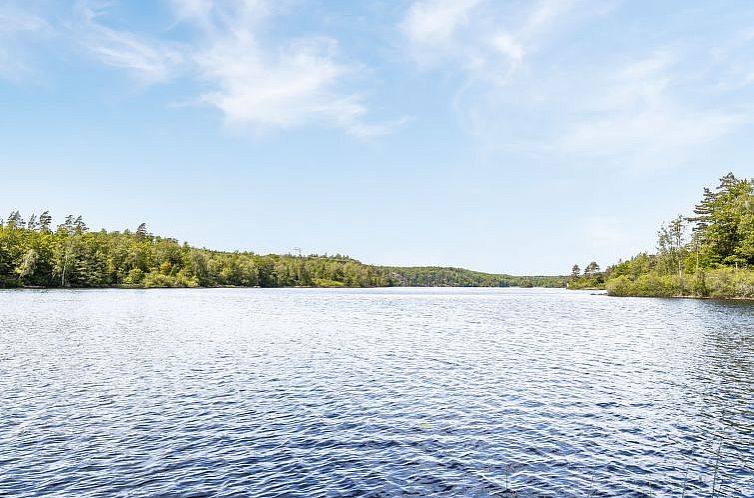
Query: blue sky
(503,136)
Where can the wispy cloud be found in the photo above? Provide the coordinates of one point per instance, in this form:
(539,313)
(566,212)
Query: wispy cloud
(265,86)
(487,39)
(532,86)
(17,27)
(260,83)
(432,25)
(148,61)
(635,115)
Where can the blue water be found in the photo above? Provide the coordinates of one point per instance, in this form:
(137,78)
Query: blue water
(384,392)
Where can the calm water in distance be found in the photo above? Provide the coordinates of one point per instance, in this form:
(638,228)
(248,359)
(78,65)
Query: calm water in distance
(381,392)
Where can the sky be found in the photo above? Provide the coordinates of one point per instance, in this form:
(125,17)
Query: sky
(504,136)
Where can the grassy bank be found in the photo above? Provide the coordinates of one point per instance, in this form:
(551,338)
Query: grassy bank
(721,283)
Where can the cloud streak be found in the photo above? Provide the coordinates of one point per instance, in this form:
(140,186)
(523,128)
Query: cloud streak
(260,84)
(530,85)
(265,87)
(17,29)
(149,62)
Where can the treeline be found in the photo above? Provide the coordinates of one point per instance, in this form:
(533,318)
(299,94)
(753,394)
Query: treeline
(36,253)
(432,276)
(709,253)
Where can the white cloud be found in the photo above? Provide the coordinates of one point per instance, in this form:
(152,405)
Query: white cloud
(149,61)
(432,24)
(508,46)
(635,116)
(266,86)
(532,86)
(488,40)
(259,84)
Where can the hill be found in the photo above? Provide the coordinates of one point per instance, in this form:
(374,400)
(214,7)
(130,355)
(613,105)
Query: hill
(35,253)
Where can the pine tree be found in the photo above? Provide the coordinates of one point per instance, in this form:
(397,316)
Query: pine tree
(45,221)
(32,223)
(141,231)
(575,272)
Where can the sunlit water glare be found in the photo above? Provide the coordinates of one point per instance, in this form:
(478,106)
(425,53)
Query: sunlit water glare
(382,392)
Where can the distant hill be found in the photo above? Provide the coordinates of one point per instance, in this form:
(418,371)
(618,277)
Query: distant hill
(34,252)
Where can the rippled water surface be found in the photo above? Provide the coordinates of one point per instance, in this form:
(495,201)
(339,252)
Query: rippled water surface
(384,392)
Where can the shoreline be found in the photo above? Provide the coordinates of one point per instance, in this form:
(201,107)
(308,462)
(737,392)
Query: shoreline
(133,287)
(686,296)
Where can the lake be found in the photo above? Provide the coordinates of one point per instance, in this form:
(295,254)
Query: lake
(374,392)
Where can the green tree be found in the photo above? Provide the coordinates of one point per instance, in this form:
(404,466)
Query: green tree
(575,272)
(28,265)
(45,221)
(591,270)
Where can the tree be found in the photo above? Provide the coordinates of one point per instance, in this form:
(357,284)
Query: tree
(28,265)
(575,272)
(68,226)
(32,223)
(79,225)
(591,270)
(15,220)
(671,244)
(718,222)
(141,231)
(45,221)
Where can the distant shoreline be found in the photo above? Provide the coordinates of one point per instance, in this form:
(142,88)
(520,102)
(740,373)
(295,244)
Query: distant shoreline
(133,287)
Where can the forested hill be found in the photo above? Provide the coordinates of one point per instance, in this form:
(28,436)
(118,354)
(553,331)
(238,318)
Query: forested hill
(707,253)
(36,253)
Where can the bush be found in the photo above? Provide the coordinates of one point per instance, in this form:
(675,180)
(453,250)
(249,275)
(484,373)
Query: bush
(720,283)
(323,282)
(134,277)
(730,283)
(620,286)
(651,284)
(158,280)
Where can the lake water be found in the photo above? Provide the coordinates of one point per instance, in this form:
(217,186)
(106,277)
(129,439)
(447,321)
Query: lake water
(382,392)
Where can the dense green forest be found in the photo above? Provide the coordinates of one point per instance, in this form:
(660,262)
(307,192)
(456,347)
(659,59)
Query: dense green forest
(709,253)
(36,253)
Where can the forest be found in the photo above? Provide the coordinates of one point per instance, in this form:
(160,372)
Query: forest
(707,253)
(37,253)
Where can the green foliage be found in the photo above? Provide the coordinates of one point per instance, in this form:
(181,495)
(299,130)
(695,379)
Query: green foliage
(323,282)
(432,276)
(592,277)
(32,254)
(716,261)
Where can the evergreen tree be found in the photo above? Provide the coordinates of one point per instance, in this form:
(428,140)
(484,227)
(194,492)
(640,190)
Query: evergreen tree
(32,223)
(45,221)
(575,272)
(591,269)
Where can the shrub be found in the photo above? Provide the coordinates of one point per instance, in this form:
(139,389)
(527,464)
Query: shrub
(158,280)
(134,277)
(620,286)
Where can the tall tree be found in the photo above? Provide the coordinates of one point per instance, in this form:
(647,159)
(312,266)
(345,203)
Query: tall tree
(15,220)
(671,244)
(45,221)
(575,272)
(592,269)
(141,231)
(32,223)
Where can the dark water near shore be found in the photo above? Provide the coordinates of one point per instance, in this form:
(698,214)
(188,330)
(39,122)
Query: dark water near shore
(385,392)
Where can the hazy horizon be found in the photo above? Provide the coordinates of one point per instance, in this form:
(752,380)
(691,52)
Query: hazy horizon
(503,137)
